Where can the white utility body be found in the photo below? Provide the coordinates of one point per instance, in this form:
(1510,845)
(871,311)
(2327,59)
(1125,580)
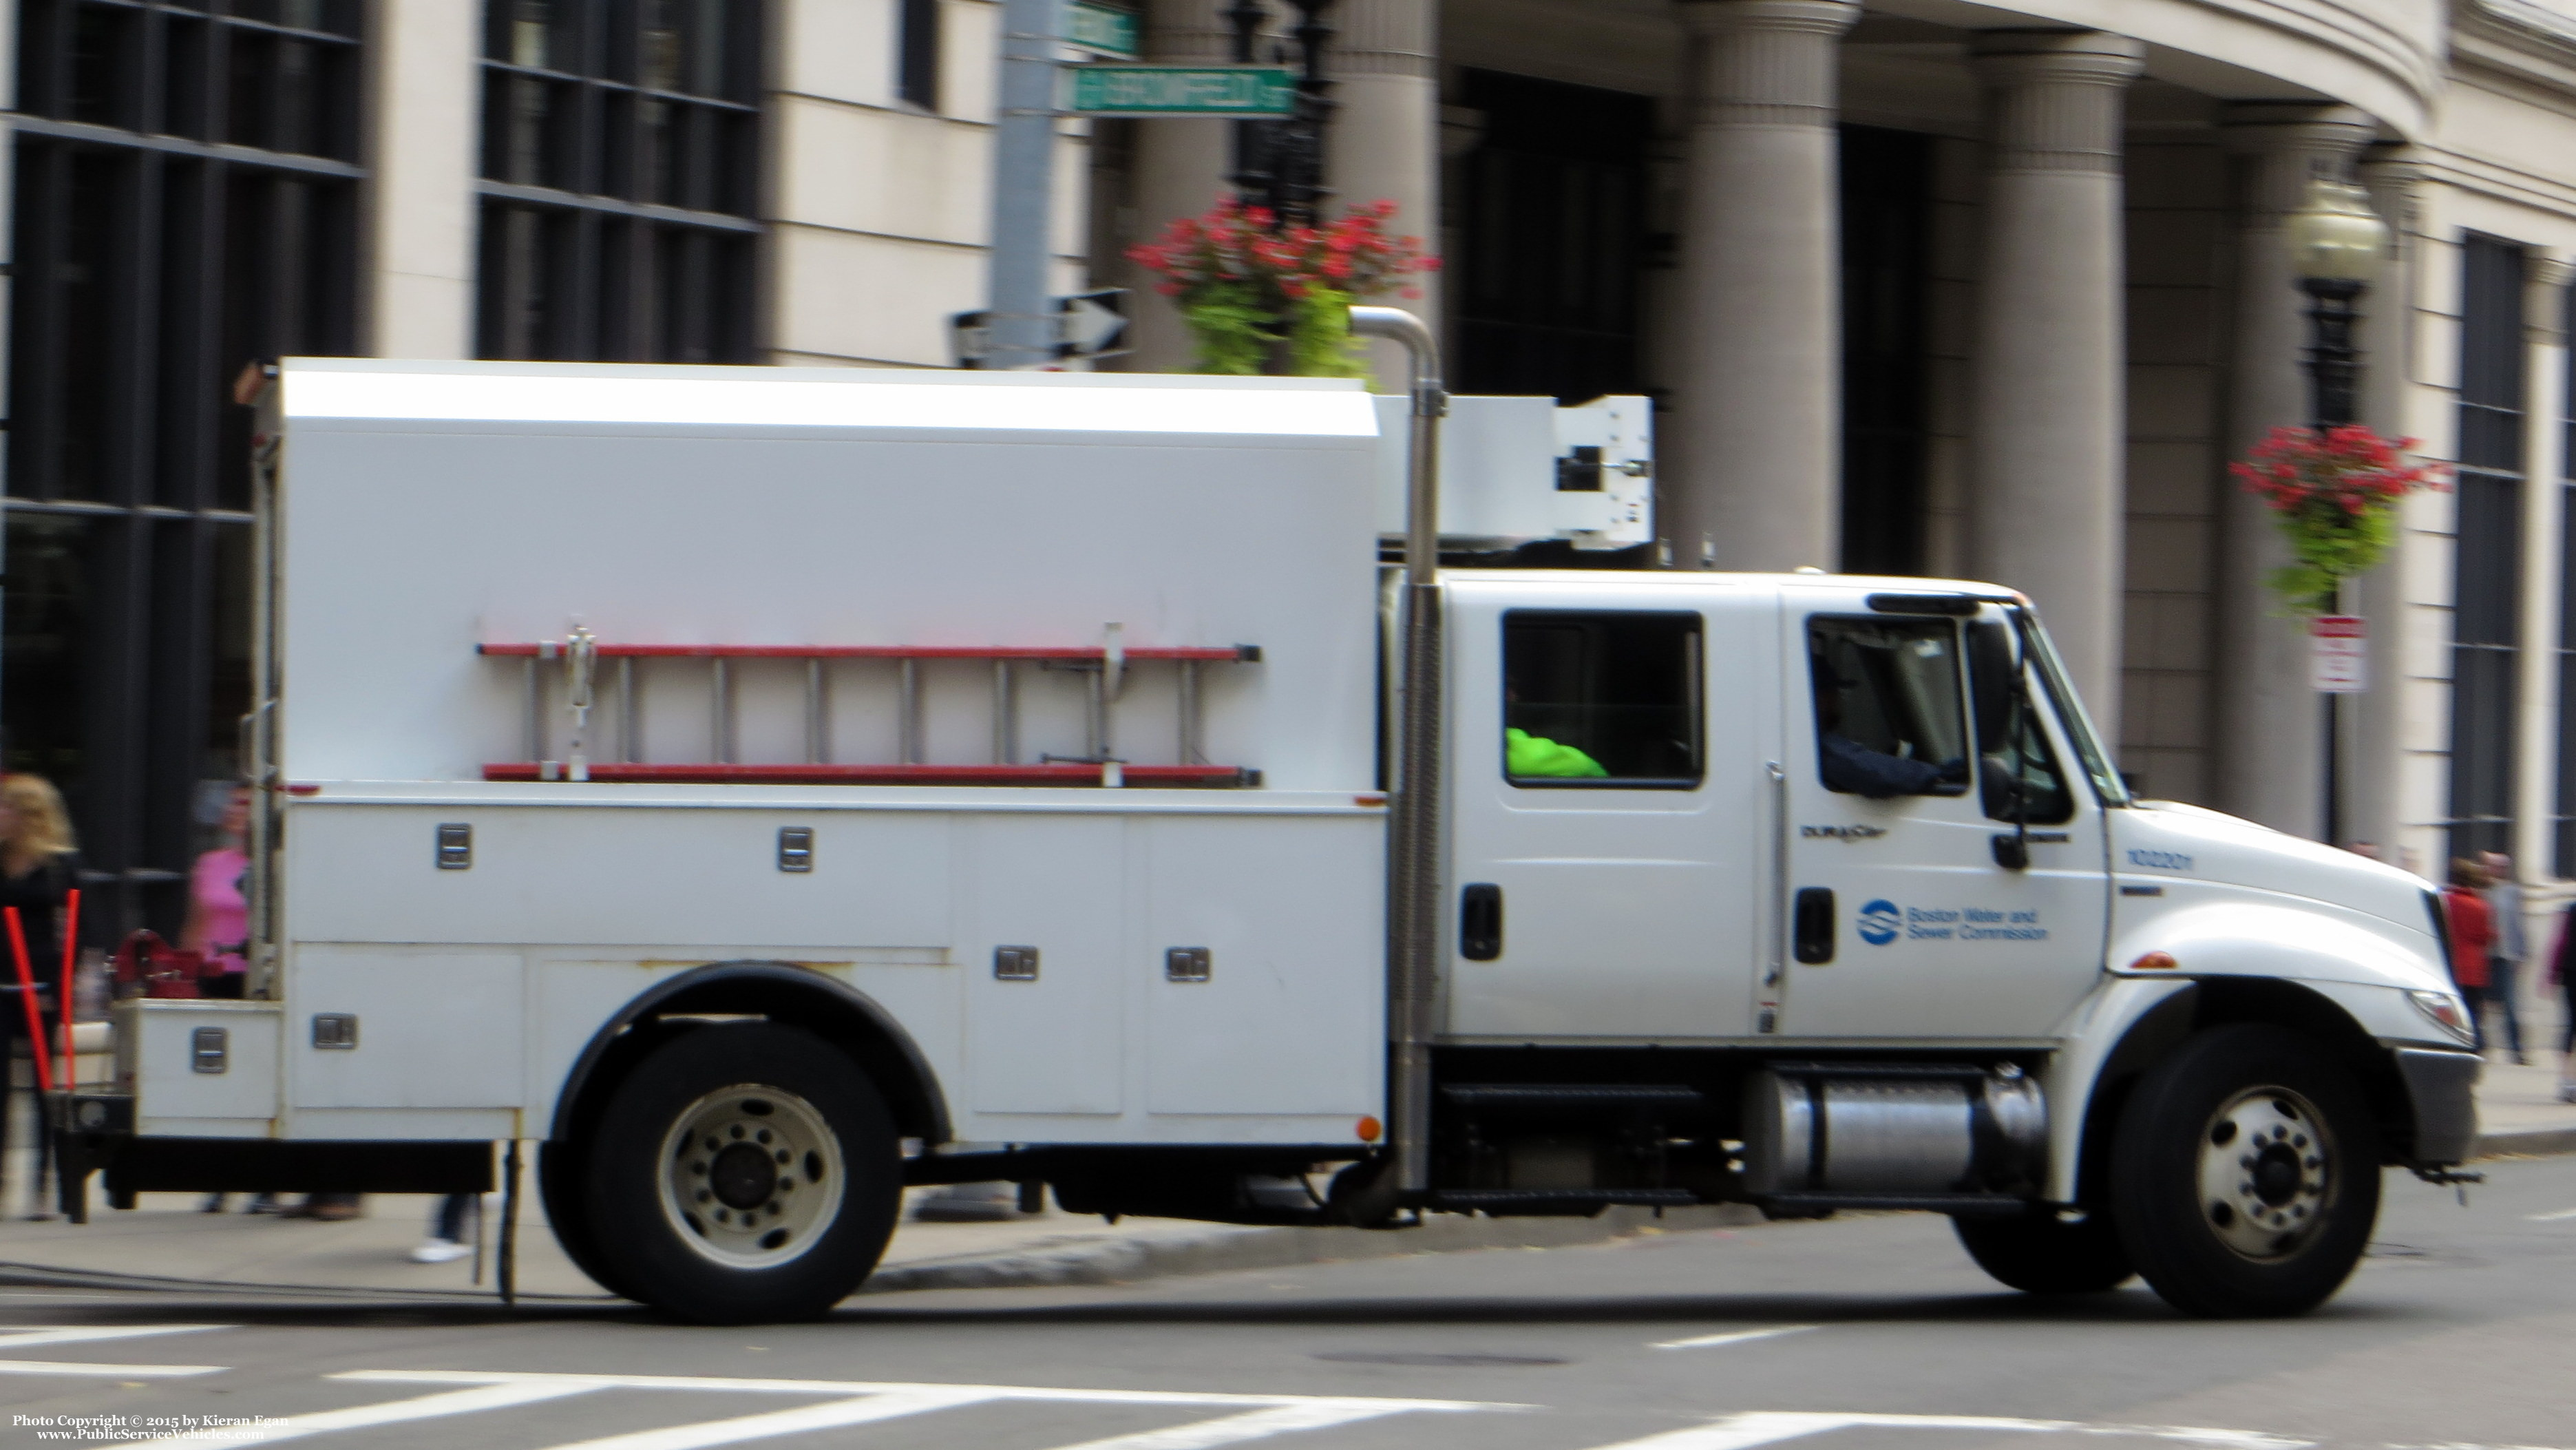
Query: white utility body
(770,787)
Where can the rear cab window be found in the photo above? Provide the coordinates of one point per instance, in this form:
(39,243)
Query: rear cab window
(1595,699)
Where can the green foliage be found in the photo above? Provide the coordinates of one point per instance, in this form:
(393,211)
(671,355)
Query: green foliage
(2332,544)
(1231,327)
(1320,344)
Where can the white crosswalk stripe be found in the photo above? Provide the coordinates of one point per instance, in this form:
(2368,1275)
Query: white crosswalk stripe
(1251,1425)
(32,1336)
(849,1402)
(1770,1427)
(427,1407)
(830,1415)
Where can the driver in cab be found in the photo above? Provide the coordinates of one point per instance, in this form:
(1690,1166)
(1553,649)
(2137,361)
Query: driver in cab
(1856,769)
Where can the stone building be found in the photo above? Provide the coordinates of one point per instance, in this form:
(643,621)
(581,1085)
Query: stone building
(1921,286)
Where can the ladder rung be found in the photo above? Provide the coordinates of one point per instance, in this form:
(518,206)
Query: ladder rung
(1058,773)
(1241,653)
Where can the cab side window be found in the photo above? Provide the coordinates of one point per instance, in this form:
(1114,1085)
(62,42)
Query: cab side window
(1601,699)
(2013,750)
(1889,717)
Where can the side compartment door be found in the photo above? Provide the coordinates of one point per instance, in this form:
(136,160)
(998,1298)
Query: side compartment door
(1905,920)
(1609,811)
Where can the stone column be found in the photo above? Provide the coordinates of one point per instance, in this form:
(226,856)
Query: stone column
(1180,171)
(2544,329)
(1753,448)
(1384,140)
(2048,419)
(2270,728)
(418,292)
(2376,777)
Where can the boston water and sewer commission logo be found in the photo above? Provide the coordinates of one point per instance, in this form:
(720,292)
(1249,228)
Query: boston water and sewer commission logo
(1880,921)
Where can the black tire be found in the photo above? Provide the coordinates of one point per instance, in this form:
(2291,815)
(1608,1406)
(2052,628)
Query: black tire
(2038,1254)
(560,1186)
(2245,1174)
(656,1199)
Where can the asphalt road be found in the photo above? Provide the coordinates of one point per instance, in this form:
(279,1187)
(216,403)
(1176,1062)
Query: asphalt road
(1857,1334)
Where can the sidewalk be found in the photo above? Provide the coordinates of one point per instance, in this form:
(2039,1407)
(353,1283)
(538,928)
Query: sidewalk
(165,1237)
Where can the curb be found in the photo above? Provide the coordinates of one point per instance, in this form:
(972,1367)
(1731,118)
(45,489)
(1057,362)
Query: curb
(2526,1143)
(1227,1247)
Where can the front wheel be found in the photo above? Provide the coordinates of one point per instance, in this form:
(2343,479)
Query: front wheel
(2245,1174)
(742,1173)
(2040,1254)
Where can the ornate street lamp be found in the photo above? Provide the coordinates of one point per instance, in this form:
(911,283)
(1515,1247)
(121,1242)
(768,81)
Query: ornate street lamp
(2337,244)
(1280,164)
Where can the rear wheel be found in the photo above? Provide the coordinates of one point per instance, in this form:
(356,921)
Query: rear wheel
(2245,1174)
(743,1173)
(2039,1254)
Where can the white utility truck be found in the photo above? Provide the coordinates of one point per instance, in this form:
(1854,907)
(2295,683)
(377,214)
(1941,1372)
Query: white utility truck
(770,788)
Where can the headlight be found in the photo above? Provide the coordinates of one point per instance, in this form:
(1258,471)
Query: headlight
(2447,1013)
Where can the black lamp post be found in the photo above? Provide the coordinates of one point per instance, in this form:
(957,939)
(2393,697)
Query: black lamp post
(1280,164)
(2336,245)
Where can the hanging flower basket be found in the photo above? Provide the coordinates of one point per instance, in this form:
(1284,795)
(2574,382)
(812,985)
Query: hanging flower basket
(1259,299)
(2334,495)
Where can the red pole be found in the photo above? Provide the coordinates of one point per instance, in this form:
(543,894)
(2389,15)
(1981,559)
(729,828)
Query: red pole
(27,997)
(71,948)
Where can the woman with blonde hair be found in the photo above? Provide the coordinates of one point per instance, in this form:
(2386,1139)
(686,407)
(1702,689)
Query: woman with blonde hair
(39,866)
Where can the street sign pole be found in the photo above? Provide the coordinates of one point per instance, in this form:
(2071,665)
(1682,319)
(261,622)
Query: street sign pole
(1021,310)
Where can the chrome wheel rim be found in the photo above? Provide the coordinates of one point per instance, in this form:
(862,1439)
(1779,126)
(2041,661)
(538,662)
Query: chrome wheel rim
(2267,1173)
(750,1176)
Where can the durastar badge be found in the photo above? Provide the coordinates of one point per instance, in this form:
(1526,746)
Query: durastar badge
(1842,833)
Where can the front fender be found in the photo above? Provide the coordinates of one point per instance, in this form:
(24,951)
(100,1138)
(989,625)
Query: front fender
(2101,1026)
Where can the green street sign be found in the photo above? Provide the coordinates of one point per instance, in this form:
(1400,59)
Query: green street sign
(1101,29)
(1255,92)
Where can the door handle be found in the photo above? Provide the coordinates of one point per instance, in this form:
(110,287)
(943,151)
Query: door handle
(1480,922)
(1812,929)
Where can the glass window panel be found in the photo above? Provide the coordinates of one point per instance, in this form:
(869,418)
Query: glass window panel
(917,54)
(1601,700)
(250,63)
(183,78)
(49,657)
(105,65)
(88,298)
(1890,717)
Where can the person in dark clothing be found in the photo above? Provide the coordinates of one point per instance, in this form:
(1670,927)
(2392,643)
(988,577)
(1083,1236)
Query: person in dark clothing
(1854,768)
(39,866)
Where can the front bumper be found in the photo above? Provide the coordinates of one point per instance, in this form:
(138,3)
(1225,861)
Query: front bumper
(2442,1087)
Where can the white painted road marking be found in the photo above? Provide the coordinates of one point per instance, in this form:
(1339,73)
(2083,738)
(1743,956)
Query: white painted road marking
(2551,1217)
(35,1335)
(1251,1425)
(1740,1432)
(1711,1341)
(427,1407)
(804,1419)
(851,1403)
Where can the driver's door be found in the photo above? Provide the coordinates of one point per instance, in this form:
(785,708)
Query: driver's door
(1906,922)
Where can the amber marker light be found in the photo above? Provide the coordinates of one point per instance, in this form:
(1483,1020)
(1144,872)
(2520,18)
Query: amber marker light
(1368,800)
(2154,962)
(1370,1128)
